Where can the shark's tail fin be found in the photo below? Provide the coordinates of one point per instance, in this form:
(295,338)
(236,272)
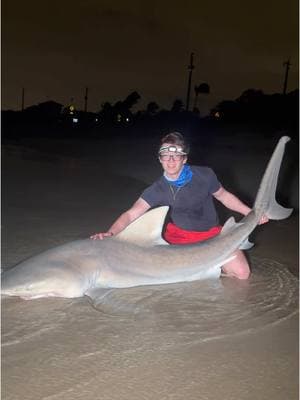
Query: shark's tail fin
(265,202)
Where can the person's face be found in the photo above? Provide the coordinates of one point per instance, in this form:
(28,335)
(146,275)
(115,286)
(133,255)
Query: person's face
(172,160)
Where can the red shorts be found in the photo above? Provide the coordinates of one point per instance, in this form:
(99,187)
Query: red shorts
(175,235)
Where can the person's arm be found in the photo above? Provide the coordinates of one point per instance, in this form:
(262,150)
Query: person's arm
(139,208)
(230,201)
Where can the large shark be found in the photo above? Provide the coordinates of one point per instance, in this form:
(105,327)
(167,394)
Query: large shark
(138,255)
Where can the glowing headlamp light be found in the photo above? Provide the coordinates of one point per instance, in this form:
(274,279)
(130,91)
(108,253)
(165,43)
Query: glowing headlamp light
(171,149)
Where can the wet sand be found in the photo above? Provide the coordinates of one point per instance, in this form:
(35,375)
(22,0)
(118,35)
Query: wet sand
(215,340)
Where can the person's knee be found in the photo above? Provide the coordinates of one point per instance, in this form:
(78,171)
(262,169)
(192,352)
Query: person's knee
(242,269)
(243,273)
(238,268)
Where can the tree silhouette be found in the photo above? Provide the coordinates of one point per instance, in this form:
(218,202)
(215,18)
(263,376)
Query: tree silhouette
(152,108)
(250,96)
(106,113)
(177,106)
(131,100)
(120,112)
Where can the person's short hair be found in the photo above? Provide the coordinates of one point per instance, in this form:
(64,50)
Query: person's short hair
(175,138)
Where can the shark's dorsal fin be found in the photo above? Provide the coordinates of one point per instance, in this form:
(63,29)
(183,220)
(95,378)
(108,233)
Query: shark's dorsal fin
(146,230)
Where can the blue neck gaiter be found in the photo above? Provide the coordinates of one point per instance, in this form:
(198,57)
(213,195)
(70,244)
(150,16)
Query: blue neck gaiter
(184,177)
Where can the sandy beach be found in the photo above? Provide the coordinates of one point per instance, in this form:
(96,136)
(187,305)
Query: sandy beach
(208,340)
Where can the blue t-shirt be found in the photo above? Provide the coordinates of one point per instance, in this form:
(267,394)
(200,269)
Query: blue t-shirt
(191,206)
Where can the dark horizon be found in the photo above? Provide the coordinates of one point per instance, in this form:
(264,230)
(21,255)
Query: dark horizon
(138,105)
(81,103)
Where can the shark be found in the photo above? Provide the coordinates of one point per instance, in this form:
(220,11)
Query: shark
(138,255)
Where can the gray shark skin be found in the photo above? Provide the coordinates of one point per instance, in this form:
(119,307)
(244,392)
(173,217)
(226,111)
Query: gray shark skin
(137,255)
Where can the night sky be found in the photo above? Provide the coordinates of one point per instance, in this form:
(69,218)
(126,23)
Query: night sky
(55,49)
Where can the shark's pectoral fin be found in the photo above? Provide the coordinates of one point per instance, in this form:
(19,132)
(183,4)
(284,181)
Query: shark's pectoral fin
(126,301)
(98,293)
(146,230)
(276,211)
(246,245)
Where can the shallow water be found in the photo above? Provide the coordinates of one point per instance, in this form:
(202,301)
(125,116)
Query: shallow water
(211,309)
(58,348)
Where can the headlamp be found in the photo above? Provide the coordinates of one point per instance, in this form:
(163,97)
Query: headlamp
(171,149)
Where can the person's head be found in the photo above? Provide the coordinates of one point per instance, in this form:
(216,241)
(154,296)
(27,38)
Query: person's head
(172,153)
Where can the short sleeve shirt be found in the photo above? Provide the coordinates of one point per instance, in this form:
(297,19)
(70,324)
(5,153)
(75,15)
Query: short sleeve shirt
(191,206)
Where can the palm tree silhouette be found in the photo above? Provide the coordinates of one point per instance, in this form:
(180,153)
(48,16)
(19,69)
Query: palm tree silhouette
(202,88)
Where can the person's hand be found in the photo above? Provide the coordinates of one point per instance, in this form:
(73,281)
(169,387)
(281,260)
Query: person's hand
(264,219)
(101,235)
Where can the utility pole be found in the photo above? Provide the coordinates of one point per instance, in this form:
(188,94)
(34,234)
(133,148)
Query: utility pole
(190,68)
(86,99)
(23,97)
(287,65)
